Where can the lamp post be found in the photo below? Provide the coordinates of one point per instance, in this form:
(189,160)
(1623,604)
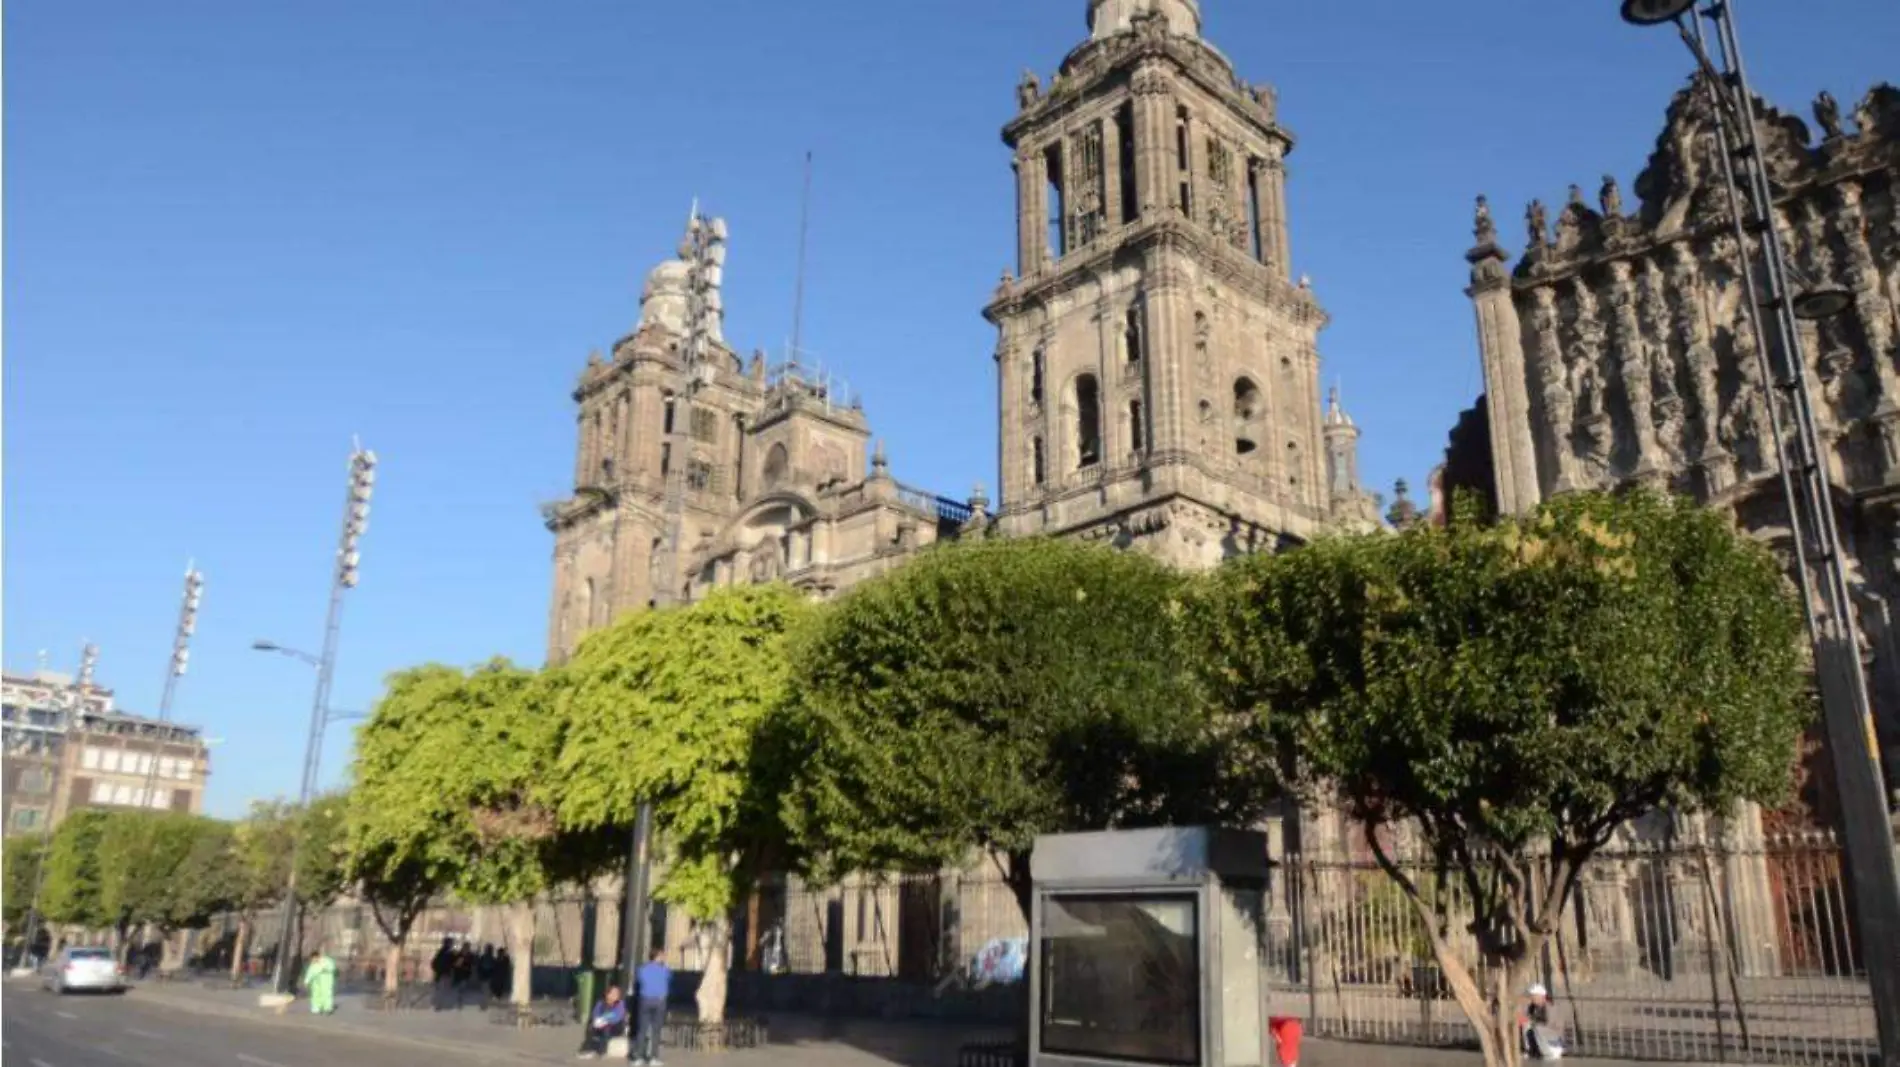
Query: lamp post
(343,578)
(1820,562)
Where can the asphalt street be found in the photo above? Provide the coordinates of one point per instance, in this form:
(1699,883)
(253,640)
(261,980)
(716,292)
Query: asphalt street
(38,1029)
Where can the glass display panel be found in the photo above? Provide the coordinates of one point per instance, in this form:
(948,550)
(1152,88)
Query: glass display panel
(1121,976)
(1241,935)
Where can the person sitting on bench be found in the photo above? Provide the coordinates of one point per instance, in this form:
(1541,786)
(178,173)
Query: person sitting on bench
(608,1021)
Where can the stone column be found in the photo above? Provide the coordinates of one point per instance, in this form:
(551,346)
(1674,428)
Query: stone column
(1111,174)
(1154,139)
(1271,208)
(1032,213)
(1500,344)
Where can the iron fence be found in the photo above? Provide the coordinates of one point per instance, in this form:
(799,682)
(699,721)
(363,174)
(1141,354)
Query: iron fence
(1680,950)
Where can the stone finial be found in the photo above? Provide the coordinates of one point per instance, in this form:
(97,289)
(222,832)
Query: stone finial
(1029,90)
(1610,198)
(593,358)
(1576,197)
(1537,224)
(1827,112)
(880,464)
(979,499)
(1483,227)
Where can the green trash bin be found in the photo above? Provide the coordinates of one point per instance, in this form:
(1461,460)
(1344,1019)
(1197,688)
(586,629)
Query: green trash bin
(583,994)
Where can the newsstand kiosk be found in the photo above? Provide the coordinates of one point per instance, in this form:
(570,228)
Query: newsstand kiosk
(1145,947)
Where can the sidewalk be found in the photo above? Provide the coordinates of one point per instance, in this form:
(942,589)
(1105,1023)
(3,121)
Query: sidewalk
(796,1040)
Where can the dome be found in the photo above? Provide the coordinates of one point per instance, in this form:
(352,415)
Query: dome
(663,302)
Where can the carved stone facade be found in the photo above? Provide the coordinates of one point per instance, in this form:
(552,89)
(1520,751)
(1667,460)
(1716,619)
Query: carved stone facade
(1158,366)
(776,484)
(1617,350)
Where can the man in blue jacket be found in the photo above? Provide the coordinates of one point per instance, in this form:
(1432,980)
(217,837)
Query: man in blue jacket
(655,980)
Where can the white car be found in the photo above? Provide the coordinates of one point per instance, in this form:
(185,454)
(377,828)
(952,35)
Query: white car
(85,969)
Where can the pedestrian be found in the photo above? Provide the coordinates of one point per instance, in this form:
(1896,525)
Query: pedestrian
(501,976)
(1542,1041)
(320,979)
(655,981)
(442,969)
(608,1021)
(462,969)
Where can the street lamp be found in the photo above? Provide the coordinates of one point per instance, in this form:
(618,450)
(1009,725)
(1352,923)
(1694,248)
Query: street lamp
(362,481)
(1820,561)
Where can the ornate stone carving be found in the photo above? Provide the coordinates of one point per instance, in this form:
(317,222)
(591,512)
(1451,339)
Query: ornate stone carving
(1029,90)
(1484,228)
(1746,429)
(1827,112)
(1537,226)
(1610,198)
(1553,386)
(1632,366)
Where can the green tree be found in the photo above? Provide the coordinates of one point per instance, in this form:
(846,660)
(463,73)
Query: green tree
(322,848)
(203,884)
(21,854)
(71,894)
(987,693)
(1516,693)
(261,844)
(449,768)
(140,856)
(666,706)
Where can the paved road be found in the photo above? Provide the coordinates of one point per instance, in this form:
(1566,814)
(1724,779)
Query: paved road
(43,1030)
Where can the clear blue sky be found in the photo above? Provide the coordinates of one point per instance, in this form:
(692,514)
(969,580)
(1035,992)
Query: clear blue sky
(238,233)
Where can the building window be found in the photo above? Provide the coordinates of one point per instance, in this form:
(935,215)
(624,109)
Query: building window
(122,794)
(705,425)
(700,476)
(1131,334)
(34,781)
(1181,161)
(667,422)
(1135,429)
(185,770)
(1088,421)
(142,764)
(168,767)
(26,818)
(1058,205)
(1259,248)
(89,759)
(776,462)
(1125,142)
(161,799)
(101,792)
(1036,370)
(1036,468)
(1247,405)
(111,760)
(666,459)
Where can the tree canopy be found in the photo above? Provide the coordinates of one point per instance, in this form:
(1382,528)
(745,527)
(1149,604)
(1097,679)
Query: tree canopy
(986,693)
(1518,692)
(71,894)
(667,706)
(20,854)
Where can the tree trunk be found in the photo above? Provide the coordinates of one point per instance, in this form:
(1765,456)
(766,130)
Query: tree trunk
(238,947)
(520,933)
(170,946)
(712,980)
(392,969)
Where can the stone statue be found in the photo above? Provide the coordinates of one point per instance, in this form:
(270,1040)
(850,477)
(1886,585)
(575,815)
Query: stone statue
(1029,90)
(1484,227)
(1587,384)
(1827,112)
(1537,221)
(1611,198)
(766,562)
(1576,196)
(1269,101)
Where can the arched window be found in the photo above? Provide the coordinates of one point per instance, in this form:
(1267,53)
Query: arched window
(1088,421)
(1037,468)
(1035,375)
(776,462)
(1247,412)
(587,606)
(1137,433)
(1131,334)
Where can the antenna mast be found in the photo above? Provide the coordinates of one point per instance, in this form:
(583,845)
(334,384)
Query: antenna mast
(798,291)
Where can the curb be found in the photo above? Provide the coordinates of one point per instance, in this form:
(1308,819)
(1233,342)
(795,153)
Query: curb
(256,1015)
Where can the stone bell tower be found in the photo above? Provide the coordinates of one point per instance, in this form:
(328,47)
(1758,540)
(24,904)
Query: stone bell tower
(1158,368)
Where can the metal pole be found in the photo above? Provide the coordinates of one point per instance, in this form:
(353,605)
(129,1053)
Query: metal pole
(175,668)
(637,932)
(1820,562)
(343,578)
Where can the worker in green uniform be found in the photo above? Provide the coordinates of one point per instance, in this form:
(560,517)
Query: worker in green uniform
(320,979)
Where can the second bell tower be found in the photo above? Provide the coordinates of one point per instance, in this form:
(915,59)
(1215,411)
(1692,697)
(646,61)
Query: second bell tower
(1158,366)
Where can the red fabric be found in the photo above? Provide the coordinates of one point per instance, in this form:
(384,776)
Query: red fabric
(1286,1038)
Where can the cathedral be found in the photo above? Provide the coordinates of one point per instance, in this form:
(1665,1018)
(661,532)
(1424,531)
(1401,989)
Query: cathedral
(1157,367)
(1616,349)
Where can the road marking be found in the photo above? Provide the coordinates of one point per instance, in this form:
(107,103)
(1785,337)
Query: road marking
(66,1015)
(147,1034)
(39,1063)
(252,1060)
